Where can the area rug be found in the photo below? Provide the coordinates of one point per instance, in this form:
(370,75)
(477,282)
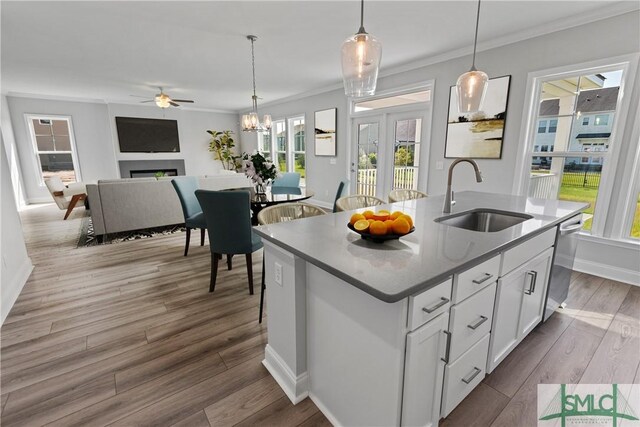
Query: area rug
(88,238)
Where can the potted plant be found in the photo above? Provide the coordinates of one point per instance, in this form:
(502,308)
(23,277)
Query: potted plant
(221,145)
(261,171)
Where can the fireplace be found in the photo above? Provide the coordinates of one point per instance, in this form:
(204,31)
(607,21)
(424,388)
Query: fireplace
(144,173)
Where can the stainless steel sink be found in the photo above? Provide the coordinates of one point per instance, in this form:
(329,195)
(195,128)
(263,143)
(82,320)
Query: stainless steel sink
(484,220)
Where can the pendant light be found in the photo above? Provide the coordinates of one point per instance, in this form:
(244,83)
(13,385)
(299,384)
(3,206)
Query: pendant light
(472,85)
(251,122)
(361,55)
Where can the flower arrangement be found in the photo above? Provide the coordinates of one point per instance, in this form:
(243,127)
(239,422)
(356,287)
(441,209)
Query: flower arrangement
(260,170)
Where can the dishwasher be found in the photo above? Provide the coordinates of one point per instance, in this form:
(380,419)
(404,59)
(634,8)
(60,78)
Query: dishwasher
(562,267)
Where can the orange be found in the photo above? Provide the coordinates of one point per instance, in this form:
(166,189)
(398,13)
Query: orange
(389,224)
(396,214)
(368,214)
(378,228)
(408,219)
(401,226)
(361,225)
(371,221)
(355,218)
(381,215)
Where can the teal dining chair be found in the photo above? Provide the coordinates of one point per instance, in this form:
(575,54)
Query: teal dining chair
(228,217)
(186,187)
(284,183)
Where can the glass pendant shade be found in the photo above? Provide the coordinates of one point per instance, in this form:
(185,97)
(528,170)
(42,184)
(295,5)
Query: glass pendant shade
(266,121)
(471,88)
(361,54)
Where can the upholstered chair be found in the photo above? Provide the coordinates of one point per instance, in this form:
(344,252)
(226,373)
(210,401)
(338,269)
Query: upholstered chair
(228,218)
(285,183)
(66,196)
(186,187)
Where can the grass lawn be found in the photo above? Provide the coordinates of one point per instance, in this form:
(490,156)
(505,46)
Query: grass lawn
(588,195)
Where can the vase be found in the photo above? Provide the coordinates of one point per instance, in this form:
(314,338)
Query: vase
(261,189)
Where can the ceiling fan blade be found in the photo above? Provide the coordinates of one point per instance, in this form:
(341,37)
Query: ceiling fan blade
(139,96)
(174,103)
(183,100)
(148,100)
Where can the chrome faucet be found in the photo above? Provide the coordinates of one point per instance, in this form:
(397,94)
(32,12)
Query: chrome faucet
(448,199)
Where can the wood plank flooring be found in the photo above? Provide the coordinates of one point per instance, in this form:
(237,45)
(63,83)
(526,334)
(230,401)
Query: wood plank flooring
(128,334)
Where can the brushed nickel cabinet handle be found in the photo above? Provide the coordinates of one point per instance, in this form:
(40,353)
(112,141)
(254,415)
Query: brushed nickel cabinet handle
(482,279)
(533,276)
(436,306)
(478,323)
(447,347)
(471,376)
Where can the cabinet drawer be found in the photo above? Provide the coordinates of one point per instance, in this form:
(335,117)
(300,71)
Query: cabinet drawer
(471,320)
(463,375)
(471,281)
(430,303)
(522,253)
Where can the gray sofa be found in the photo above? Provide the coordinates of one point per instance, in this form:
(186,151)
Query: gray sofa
(137,203)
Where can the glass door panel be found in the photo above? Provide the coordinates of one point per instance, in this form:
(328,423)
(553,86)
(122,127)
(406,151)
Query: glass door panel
(367,137)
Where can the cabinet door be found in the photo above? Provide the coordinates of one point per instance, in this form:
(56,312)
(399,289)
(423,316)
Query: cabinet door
(534,291)
(423,374)
(506,314)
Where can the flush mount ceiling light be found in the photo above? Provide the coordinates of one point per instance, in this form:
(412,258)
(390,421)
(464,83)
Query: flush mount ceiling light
(472,85)
(361,55)
(251,122)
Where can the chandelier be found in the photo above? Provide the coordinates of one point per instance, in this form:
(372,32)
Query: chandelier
(361,55)
(251,122)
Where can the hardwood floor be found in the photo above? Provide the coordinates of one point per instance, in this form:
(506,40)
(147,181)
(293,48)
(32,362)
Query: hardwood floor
(128,334)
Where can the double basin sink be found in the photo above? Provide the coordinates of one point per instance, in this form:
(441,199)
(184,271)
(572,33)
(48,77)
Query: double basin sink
(484,220)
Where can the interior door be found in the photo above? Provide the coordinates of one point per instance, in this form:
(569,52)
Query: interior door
(365,156)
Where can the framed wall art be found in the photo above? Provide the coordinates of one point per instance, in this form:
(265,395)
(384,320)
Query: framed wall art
(325,132)
(478,135)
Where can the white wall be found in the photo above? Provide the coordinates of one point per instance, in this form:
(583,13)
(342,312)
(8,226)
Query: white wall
(6,127)
(97,139)
(92,135)
(192,130)
(16,265)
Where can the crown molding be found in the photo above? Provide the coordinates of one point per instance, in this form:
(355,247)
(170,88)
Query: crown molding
(615,9)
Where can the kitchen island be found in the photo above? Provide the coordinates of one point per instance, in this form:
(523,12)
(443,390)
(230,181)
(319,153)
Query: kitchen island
(399,333)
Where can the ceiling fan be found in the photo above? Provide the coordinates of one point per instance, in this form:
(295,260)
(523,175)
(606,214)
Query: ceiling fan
(163,100)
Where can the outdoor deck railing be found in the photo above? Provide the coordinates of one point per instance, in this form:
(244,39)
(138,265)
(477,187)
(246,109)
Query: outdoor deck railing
(404,177)
(542,185)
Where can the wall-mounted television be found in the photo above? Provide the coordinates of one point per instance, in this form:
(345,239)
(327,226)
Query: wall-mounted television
(139,135)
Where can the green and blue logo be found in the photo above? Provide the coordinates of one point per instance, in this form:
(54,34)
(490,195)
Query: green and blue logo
(603,404)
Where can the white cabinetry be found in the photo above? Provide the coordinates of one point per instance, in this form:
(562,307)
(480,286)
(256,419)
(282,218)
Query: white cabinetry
(519,305)
(424,370)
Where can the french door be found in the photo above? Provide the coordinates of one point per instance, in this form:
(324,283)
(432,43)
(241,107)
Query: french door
(387,153)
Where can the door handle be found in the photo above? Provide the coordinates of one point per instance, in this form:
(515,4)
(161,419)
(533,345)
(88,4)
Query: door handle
(472,375)
(447,348)
(436,306)
(571,229)
(482,279)
(478,323)
(533,277)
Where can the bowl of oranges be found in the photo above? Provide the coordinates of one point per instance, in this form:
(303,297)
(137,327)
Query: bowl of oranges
(382,225)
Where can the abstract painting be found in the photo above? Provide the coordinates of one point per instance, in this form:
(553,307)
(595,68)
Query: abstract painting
(478,135)
(325,132)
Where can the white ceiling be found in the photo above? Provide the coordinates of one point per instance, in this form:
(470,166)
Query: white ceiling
(108,50)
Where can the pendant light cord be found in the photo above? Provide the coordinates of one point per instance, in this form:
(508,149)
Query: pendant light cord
(253,69)
(361,30)
(475,41)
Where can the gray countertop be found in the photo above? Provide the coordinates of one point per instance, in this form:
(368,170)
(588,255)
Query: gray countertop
(396,269)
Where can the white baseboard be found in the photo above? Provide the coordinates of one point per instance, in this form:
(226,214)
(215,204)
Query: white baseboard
(14,288)
(36,200)
(295,387)
(326,412)
(619,274)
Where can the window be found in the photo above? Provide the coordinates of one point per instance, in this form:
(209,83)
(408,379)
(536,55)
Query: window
(569,175)
(542,126)
(406,153)
(602,120)
(635,224)
(53,143)
(285,145)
